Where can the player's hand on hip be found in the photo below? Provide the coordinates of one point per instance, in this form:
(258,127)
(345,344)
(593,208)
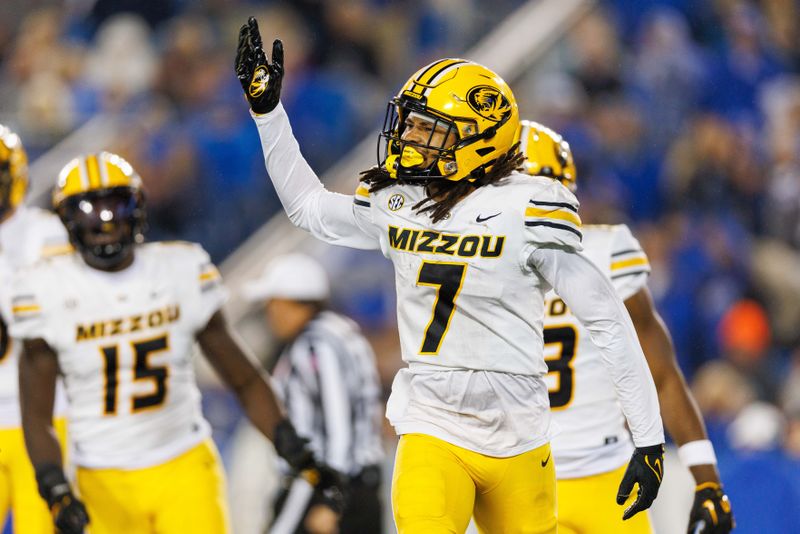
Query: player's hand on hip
(260,79)
(711,511)
(646,469)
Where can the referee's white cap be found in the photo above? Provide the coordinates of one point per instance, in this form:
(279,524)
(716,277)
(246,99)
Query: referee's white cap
(292,276)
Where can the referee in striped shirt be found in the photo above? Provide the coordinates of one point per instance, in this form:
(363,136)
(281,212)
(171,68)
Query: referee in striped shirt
(327,379)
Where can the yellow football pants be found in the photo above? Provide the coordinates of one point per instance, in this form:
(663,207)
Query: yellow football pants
(588,506)
(18,491)
(185,494)
(437,487)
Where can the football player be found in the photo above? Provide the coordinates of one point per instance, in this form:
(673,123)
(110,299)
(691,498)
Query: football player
(473,243)
(26,234)
(119,319)
(590,458)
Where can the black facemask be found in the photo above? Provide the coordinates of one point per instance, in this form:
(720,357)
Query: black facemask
(105,225)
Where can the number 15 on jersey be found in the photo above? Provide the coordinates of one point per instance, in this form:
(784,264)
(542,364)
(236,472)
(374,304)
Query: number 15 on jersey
(142,370)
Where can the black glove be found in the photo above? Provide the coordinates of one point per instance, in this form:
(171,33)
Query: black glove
(330,486)
(711,511)
(69,514)
(329,483)
(292,447)
(260,80)
(647,469)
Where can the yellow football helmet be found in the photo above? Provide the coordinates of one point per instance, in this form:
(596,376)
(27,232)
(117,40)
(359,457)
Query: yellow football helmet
(13,171)
(547,153)
(459,97)
(100,200)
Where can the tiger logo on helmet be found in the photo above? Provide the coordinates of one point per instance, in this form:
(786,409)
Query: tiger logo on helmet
(547,154)
(465,101)
(100,200)
(13,172)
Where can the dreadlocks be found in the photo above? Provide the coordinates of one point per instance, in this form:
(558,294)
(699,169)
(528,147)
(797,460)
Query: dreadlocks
(442,195)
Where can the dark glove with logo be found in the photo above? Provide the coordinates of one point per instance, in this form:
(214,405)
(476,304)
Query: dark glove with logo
(711,512)
(69,514)
(260,79)
(328,482)
(331,487)
(647,469)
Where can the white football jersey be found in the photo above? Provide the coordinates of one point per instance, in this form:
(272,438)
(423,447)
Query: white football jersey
(591,435)
(25,237)
(125,342)
(470,298)
(463,309)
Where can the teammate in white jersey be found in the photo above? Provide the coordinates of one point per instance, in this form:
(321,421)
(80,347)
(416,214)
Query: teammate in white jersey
(26,234)
(593,445)
(118,320)
(475,246)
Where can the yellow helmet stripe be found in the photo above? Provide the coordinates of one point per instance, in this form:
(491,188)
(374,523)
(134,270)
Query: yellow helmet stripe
(83,174)
(93,172)
(441,72)
(103,167)
(442,66)
(427,76)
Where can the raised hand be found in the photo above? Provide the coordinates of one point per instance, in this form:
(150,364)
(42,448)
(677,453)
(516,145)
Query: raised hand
(261,80)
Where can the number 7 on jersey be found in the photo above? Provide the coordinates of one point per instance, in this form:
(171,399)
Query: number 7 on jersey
(447,278)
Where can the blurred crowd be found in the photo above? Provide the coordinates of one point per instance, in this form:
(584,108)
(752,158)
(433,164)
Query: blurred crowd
(683,116)
(166,68)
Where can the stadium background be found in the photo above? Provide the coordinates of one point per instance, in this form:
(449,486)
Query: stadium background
(683,115)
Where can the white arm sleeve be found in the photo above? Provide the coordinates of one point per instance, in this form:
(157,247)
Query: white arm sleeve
(592,299)
(326,215)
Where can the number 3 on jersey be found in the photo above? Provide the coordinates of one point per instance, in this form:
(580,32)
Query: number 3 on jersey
(566,337)
(447,278)
(142,370)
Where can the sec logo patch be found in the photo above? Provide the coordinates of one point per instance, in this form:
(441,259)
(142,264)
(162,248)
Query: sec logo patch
(396,201)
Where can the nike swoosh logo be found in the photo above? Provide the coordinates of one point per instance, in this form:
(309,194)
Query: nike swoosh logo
(544,462)
(482,219)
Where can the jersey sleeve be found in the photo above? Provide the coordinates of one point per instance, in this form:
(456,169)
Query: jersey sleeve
(629,265)
(328,216)
(27,307)
(207,288)
(592,299)
(362,210)
(551,217)
(52,237)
